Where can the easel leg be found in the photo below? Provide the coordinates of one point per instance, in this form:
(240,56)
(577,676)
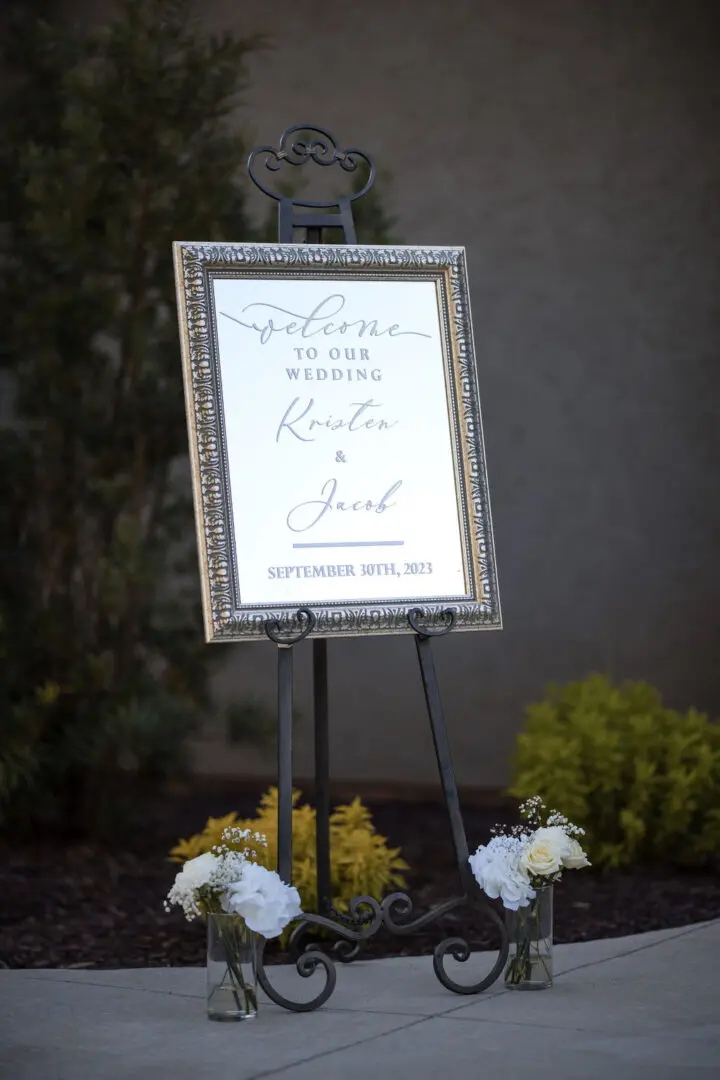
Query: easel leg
(441,743)
(322,774)
(285,722)
(285,639)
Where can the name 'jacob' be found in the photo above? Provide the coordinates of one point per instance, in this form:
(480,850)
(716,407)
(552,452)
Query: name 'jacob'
(307,514)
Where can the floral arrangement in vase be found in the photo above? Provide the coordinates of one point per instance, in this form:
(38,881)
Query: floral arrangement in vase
(519,866)
(240,900)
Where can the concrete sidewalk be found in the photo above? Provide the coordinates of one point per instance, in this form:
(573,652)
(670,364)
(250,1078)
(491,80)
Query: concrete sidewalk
(634,1008)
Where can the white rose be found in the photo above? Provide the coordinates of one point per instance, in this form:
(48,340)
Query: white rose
(265,902)
(195,874)
(575,858)
(198,871)
(545,851)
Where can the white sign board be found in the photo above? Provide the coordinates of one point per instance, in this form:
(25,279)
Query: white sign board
(335,435)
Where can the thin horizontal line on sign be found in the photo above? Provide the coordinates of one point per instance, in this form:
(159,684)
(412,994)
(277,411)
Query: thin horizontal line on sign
(353,543)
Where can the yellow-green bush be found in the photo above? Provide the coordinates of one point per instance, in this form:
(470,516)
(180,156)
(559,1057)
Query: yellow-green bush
(361,861)
(642,780)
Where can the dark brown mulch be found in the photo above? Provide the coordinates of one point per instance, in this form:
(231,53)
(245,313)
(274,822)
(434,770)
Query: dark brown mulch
(94,906)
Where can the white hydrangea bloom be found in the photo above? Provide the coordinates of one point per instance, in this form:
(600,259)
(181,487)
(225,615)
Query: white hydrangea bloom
(263,899)
(498,871)
(227,880)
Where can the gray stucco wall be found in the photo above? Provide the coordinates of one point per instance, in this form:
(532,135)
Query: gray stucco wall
(571,146)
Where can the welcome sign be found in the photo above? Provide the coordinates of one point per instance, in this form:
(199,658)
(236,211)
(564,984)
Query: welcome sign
(335,436)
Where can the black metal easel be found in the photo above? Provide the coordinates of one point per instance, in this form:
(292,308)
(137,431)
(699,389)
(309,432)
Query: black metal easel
(298,145)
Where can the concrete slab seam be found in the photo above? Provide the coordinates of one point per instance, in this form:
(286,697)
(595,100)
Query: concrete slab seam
(338,1050)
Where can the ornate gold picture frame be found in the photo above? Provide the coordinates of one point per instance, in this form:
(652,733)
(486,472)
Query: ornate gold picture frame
(335,438)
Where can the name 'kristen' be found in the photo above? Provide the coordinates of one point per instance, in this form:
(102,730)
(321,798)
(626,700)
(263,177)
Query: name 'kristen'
(361,420)
(317,322)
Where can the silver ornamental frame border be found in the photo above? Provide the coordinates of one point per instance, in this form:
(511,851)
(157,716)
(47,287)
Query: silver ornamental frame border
(225,618)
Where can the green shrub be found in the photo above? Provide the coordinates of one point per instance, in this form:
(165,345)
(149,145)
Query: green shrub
(641,779)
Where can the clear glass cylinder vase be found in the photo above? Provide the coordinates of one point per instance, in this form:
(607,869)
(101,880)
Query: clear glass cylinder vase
(530,930)
(231,969)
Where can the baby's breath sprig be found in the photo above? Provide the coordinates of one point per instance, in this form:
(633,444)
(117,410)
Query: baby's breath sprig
(244,842)
(518,831)
(556,818)
(536,816)
(532,811)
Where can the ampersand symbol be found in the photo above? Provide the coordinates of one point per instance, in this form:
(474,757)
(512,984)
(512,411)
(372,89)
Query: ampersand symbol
(340,456)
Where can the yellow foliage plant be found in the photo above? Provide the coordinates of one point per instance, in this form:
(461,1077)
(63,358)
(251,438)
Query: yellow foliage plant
(361,861)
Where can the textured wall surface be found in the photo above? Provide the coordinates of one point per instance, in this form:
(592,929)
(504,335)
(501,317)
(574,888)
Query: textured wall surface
(571,146)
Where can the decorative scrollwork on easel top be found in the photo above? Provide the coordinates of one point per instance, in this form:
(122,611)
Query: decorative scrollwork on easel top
(302,143)
(442,624)
(286,636)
